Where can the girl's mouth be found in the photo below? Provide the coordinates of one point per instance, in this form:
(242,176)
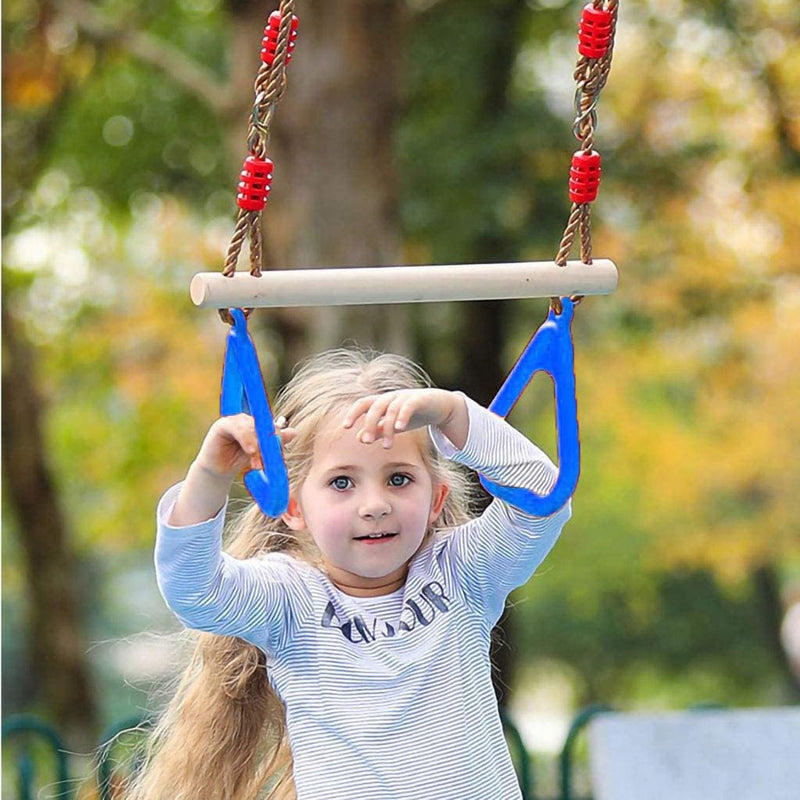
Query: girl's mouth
(374,538)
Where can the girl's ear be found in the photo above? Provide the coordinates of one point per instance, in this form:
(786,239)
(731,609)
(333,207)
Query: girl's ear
(440,493)
(293,516)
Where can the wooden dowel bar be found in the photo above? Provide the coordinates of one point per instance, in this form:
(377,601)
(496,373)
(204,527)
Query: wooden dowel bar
(419,284)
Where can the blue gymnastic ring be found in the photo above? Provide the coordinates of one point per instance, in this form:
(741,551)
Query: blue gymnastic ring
(243,392)
(551,351)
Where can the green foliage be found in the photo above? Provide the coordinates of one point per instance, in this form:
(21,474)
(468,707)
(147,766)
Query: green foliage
(130,131)
(476,159)
(82,106)
(688,378)
(686,466)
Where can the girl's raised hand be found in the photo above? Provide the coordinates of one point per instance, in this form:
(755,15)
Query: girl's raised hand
(231,446)
(382,416)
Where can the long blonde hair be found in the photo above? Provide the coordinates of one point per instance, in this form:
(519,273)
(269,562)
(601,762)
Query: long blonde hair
(223,734)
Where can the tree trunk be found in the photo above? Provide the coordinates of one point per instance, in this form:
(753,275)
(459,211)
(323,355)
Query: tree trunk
(58,648)
(768,596)
(57,655)
(484,325)
(335,196)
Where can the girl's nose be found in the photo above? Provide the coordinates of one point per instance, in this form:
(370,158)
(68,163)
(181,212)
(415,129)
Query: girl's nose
(374,506)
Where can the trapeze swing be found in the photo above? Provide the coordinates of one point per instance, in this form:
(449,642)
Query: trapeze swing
(550,349)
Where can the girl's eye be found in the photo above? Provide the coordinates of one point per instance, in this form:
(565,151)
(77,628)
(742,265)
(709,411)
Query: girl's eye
(341,482)
(398,479)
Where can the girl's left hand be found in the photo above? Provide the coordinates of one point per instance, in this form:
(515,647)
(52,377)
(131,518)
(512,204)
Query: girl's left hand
(385,415)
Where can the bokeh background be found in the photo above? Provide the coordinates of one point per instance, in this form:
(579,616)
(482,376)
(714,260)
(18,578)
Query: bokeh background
(416,131)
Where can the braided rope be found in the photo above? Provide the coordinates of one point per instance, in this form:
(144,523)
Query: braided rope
(569,235)
(269,87)
(590,77)
(235,247)
(255,245)
(586,234)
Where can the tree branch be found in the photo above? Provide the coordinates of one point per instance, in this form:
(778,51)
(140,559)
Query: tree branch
(187,72)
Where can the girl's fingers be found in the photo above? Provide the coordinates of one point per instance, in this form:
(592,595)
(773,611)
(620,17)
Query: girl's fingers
(376,412)
(229,445)
(243,430)
(405,414)
(389,422)
(372,409)
(287,434)
(390,413)
(356,410)
(250,445)
(234,430)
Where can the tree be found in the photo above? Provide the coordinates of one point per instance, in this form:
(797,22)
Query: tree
(111,54)
(456,149)
(57,655)
(464,141)
(689,386)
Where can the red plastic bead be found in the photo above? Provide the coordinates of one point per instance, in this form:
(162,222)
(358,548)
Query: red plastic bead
(270,41)
(255,183)
(584,176)
(594,32)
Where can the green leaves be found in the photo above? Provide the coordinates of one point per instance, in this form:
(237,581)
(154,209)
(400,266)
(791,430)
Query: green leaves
(118,188)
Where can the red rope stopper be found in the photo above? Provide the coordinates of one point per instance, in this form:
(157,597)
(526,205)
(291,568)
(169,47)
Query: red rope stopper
(270,41)
(594,32)
(255,183)
(584,176)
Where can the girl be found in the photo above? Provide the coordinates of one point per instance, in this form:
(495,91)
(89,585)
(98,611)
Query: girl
(347,653)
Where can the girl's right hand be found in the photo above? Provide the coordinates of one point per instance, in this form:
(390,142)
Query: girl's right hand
(229,448)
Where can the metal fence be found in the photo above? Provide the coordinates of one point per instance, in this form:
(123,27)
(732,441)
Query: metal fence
(23,733)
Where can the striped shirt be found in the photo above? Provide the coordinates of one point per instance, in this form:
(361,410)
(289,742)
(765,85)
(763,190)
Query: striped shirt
(387,698)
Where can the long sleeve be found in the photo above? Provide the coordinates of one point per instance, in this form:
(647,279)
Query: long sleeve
(501,549)
(258,599)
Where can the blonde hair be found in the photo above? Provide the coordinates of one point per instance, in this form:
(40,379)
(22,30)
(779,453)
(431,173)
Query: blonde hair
(223,735)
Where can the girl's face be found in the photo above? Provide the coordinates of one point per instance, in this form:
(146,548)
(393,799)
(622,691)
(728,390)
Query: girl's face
(367,508)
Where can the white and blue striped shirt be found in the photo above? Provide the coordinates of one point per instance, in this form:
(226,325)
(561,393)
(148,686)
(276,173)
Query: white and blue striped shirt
(387,698)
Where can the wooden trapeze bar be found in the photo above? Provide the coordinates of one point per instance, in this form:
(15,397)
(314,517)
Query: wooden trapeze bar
(416,284)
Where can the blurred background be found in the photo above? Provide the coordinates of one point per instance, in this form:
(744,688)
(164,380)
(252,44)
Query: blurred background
(416,131)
